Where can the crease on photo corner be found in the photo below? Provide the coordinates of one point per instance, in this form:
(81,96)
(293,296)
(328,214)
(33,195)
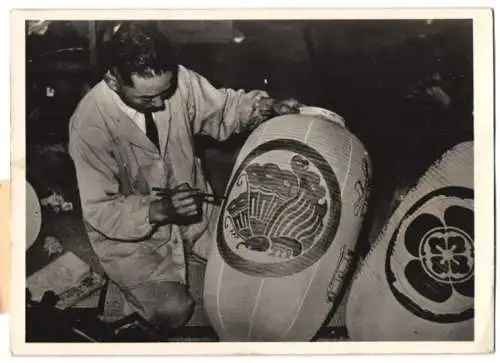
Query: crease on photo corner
(4,245)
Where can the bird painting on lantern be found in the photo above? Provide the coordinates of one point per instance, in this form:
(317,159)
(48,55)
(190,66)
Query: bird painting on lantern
(276,210)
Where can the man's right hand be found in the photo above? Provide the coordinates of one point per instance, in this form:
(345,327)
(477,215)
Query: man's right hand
(177,206)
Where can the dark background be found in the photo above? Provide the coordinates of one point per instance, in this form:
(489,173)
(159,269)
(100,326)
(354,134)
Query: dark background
(386,78)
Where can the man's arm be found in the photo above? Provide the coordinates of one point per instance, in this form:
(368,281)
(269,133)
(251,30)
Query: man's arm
(116,216)
(219,113)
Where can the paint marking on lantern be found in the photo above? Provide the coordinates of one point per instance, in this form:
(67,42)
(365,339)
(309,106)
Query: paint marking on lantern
(255,307)
(400,283)
(241,206)
(344,263)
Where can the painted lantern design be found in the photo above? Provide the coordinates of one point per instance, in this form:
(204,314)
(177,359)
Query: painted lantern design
(287,229)
(419,274)
(281,216)
(430,261)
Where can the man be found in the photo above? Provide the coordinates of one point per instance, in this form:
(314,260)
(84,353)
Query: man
(132,133)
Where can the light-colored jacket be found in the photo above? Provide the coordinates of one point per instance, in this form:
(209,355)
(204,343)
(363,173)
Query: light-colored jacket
(117,166)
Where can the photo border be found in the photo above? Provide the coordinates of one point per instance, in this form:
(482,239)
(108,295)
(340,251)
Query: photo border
(483,176)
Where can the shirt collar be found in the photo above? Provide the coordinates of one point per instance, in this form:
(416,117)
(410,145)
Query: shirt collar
(129,111)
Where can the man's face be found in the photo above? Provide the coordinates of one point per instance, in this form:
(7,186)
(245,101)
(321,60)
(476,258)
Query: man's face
(148,94)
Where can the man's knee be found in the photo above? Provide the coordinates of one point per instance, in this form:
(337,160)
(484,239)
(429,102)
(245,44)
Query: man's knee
(174,308)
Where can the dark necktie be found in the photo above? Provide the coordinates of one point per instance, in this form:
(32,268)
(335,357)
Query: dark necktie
(151,130)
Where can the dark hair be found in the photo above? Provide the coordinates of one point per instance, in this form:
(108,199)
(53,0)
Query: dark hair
(139,48)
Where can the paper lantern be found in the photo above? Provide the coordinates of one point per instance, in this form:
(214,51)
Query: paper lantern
(33,216)
(417,283)
(287,229)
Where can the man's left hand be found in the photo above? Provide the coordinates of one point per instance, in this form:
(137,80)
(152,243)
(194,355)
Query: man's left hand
(269,107)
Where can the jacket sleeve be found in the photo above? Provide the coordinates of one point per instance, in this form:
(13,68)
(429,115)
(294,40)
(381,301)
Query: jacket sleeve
(219,113)
(118,217)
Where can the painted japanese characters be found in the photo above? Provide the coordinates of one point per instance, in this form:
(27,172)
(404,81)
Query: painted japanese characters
(286,230)
(420,272)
